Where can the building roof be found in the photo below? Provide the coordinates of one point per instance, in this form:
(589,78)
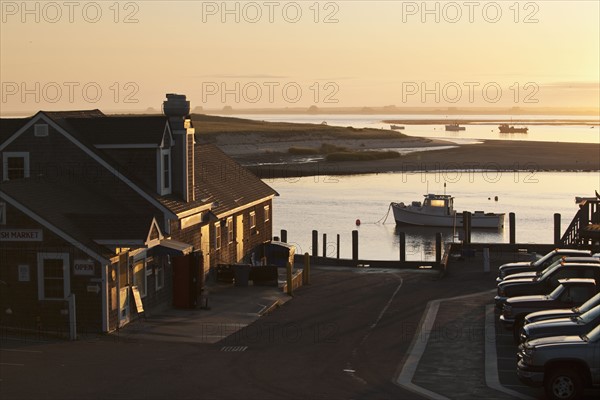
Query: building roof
(84,211)
(8,126)
(221,182)
(118,130)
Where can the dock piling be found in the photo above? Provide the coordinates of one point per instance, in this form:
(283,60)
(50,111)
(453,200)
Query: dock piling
(284,236)
(438,248)
(556,228)
(355,245)
(324,245)
(315,244)
(402,239)
(338,246)
(512,228)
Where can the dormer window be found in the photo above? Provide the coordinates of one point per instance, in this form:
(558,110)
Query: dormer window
(165,172)
(15,165)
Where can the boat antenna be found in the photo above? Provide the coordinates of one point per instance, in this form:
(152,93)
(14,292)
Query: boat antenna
(427,186)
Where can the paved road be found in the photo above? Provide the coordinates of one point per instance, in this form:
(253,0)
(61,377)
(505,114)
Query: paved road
(344,337)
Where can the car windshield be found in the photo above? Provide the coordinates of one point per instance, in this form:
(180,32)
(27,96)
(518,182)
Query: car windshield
(590,315)
(593,335)
(588,305)
(549,267)
(556,292)
(548,271)
(543,259)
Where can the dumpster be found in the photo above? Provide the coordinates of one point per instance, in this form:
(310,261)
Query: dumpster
(279,253)
(241,274)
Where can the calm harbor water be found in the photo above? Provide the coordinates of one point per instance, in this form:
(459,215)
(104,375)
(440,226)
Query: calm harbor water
(332,204)
(472,134)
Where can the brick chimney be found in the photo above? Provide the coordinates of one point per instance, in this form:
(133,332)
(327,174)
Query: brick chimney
(177,109)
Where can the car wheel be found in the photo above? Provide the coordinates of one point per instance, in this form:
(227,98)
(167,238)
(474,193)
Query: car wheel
(563,384)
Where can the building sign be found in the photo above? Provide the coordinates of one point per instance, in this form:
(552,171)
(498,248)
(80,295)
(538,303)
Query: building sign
(21,235)
(83,267)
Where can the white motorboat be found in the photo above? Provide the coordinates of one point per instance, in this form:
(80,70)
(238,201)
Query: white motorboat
(438,210)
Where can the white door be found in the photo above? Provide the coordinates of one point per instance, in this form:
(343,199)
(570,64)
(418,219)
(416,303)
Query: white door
(205,246)
(239,236)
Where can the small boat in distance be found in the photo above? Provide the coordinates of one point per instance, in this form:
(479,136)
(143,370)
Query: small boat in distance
(438,210)
(455,128)
(396,127)
(505,128)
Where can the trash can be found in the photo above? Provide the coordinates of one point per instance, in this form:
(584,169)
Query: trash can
(241,274)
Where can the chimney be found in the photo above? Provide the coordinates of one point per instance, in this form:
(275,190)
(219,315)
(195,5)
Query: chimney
(177,109)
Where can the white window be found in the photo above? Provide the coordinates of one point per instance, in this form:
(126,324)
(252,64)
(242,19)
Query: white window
(15,165)
(53,276)
(229,225)
(139,276)
(40,130)
(2,213)
(160,276)
(267,213)
(165,172)
(218,235)
(252,219)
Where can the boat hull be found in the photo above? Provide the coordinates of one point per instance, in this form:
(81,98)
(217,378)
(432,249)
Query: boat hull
(404,215)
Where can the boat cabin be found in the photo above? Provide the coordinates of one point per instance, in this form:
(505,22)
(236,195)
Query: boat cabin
(438,204)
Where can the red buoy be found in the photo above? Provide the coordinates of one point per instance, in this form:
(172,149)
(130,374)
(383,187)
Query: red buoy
(358,222)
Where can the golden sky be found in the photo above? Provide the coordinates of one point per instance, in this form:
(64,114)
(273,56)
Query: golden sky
(127,55)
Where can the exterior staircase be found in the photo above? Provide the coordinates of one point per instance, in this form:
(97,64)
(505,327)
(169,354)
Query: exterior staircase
(585,227)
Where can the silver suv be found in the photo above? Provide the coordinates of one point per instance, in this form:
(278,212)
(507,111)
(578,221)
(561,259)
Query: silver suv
(564,365)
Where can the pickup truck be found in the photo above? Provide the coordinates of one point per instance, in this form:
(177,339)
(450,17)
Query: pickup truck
(564,259)
(563,312)
(568,326)
(545,283)
(541,263)
(569,293)
(564,365)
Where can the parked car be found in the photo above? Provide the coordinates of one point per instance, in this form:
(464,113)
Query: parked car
(562,312)
(566,326)
(564,365)
(566,260)
(541,263)
(569,293)
(545,283)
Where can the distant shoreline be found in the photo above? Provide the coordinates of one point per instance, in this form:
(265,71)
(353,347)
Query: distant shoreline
(494,155)
(551,122)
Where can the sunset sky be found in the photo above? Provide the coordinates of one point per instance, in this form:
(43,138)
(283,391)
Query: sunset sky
(127,55)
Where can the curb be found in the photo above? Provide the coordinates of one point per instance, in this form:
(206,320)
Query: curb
(269,308)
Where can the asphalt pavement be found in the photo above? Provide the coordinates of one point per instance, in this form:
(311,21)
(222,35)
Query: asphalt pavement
(353,333)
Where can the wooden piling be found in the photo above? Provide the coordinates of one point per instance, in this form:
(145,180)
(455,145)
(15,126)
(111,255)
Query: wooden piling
(324,245)
(338,246)
(290,289)
(306,272)
(402,240)
(355,245)
(557,228)
(315,244)
(438,248)
(284,236)
(465,227)
(512,228)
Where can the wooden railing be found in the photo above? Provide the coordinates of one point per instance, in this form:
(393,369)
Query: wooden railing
(589,213)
